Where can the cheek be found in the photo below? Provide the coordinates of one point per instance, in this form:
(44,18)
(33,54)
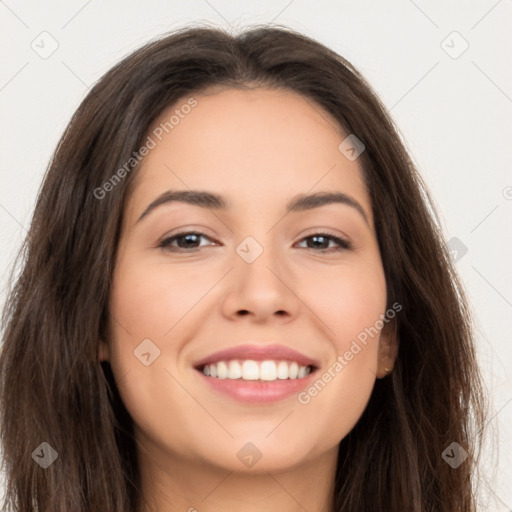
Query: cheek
(149,309)
(350,303)
(150,299)
(146,302)
(348,300)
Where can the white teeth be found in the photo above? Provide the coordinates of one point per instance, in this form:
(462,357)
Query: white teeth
(282,370)
(235,370)
(250,370)
(256,370)
(268,370)
(222,370)
(293,371)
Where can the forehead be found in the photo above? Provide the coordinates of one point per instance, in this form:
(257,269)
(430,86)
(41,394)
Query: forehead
(260,145)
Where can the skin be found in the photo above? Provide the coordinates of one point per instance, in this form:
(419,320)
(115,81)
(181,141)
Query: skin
(258,148)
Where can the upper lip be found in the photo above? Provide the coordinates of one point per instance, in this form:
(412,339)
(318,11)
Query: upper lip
(258,352)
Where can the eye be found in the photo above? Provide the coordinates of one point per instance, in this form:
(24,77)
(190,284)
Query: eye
(186,240)
(319,241)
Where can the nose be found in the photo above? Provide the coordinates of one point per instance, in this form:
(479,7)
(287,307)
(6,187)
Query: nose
(261,290)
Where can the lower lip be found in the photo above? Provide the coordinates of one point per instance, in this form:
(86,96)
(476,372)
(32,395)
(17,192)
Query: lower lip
(257,391)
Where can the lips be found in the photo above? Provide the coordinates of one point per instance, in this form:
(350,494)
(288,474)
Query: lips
(265,389)
(258,352)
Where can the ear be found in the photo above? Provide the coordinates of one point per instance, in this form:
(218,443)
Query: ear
(103,351)
(388,350)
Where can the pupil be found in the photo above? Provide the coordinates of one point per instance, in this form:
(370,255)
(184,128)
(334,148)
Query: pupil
(316,238)
(190,238)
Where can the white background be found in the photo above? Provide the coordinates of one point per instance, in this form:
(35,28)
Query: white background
(454,114)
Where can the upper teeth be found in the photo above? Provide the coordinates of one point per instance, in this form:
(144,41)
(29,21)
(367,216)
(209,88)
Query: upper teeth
(256,370)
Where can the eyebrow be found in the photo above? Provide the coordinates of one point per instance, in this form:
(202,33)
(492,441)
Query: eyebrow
(299,203)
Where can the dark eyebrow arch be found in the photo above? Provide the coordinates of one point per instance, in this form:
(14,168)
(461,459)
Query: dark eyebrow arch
(299,203)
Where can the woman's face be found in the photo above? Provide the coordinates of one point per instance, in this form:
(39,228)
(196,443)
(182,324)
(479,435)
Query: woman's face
(254,277)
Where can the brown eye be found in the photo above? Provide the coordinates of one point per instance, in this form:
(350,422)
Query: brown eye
(190,241)
(322,240)
(187,240)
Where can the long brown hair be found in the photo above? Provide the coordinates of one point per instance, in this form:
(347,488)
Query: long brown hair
(54,390)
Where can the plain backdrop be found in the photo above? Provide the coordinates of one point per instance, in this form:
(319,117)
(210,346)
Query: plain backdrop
(442,68)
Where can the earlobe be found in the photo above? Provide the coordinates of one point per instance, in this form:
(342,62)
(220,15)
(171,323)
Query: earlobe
(103,351)
(388,352)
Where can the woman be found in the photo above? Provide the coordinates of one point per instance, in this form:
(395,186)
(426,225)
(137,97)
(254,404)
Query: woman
(234,296)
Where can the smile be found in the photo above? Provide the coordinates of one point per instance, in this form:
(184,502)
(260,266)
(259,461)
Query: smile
(251,370)
(257,372)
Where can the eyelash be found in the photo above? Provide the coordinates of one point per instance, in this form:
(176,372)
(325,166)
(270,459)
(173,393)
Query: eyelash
(343,245)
